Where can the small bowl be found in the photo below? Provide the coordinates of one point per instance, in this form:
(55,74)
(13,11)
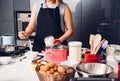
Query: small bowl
(94,70)
(5,60)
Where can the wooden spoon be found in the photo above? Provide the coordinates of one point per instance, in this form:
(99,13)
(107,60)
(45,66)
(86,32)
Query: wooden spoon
(91,41)
(98,46)
(96,41)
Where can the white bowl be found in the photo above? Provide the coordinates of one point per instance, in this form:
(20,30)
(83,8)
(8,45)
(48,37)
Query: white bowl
(5,60)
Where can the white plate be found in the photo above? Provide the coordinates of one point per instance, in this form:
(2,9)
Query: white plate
(5,60)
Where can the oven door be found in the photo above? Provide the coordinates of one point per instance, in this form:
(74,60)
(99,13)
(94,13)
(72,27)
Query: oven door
(23,27)
(22,19)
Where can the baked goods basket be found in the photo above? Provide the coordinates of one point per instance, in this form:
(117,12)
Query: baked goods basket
(69,73)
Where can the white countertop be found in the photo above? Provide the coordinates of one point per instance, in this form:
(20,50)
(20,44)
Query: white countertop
(18,71)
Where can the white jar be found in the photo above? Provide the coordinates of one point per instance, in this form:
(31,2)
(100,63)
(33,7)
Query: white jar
(75,51)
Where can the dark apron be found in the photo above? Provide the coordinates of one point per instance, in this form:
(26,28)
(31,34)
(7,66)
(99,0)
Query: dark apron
(48,23)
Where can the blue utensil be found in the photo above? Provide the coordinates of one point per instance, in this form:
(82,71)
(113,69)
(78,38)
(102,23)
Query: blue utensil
(105,43)
(100,50)
(102,47)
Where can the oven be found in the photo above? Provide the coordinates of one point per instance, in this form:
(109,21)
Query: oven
(22,19)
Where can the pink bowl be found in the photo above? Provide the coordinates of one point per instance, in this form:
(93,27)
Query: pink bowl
(56,55)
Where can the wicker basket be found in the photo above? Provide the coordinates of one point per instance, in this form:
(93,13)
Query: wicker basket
(70,72)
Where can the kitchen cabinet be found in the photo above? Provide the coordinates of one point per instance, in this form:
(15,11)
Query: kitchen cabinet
(109,24)
(95,16)
(6,27)
(6,8)
(86,18)
(6,17)
(119,22)
(114,33)
(116,20)
(90,19)
(21,5)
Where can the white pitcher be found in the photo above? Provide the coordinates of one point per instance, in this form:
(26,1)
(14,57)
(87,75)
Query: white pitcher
(110,60)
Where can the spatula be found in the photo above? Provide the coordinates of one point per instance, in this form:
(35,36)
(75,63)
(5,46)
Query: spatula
(98,46)
(96,41)
(91,41)
(30,44)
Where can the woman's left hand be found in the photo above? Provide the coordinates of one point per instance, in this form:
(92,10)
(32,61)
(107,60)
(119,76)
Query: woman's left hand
(56,41)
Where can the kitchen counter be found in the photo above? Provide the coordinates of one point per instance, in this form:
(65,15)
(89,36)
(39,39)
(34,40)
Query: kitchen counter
(18,70)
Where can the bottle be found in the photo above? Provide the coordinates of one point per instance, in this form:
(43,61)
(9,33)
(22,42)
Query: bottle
(75,51)
(119,71)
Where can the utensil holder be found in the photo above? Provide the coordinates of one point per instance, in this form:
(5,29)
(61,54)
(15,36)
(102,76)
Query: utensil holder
(92,58)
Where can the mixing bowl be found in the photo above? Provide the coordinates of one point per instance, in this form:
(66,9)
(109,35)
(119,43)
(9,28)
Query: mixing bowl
(94,70)
(57,54)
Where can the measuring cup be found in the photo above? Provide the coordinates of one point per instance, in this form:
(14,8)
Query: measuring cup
(49,41)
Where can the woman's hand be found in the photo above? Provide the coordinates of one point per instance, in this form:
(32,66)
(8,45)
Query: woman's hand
(56,41)
(22,35)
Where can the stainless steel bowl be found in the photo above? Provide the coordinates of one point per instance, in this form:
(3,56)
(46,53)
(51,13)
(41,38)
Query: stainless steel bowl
(94,70)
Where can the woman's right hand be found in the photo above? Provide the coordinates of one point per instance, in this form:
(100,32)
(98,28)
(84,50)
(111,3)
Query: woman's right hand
(22,35)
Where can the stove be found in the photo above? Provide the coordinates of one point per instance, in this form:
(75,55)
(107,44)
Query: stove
(19,51)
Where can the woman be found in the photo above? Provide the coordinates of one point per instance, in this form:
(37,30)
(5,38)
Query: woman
(51,17)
